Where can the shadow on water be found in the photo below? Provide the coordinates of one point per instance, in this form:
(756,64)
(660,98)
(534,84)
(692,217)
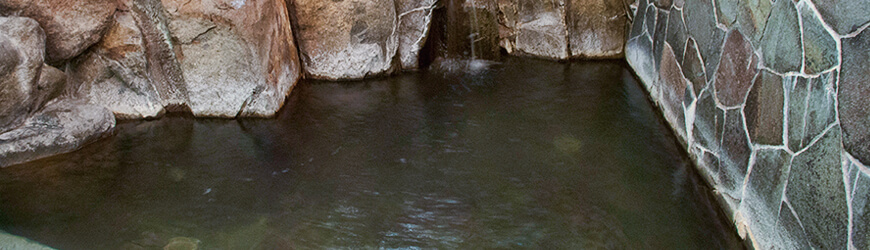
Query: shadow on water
(525,153)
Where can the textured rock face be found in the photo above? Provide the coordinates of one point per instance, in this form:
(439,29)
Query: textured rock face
(346,39)
(596,28)
(71,26)
(237,57)
(542,29)
(415,18)
(25,82)
(761,114)
(62,126)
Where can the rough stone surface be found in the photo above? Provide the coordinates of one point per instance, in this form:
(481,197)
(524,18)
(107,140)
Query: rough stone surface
(798,92)
(844,16)
(596,28)
(659,36)
(677,34)
(543,29)
(709,123)
(860,208)
(238,58)
(820,48)
(853,95)
(693,66)
(637,25)
(415,17)
(735,152)
(21,61)
(62,126)
(346,39)
(737,68)
(703,29)
(8,241)
(816,191)
(781,43)
(640,59)
(71,26)
(764,109)
(673,89)
(768,179)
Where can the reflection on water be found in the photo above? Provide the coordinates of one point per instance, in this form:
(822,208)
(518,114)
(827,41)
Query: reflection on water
(523,154)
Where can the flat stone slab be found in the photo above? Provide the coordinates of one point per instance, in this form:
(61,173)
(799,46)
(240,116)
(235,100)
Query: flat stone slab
(62,126)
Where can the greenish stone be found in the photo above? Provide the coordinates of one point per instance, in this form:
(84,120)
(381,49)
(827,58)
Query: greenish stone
(781,44)
(816,192)
(764,109)
(861,210)
(768,178)
(638,53)
(821,107)
(798,91)
(754,18)
(728,11)
(854,96)
(844,16)
(703,28)
(792,234)
(693,66)
(676,33)
(820,48)
(709,120)
(735,152)
(638,26)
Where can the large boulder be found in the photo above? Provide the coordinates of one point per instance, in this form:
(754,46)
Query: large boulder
(62,126)
(346,39)
(71,26)
(25,82)
(237,57)
(415,18)
(133,70)
(596,28)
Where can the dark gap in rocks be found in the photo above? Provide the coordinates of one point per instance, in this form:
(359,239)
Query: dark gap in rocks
(435,45)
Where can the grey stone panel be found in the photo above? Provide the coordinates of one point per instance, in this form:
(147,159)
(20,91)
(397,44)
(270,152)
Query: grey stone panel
(790,230)
(768,178)
(861,210)
(820,48)
(638,25)
(677,34)
(735,151)
(854,96)
(659,36)
(797,89)
(693,66)
(704,30)
(709,120)
(845,16)
(781,44)
(816,192)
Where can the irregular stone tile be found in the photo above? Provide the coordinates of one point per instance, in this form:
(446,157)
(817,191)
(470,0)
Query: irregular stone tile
(768,178)
(677,33)
(737,68)
(861,211)
(345,39)
(727,11)
(703,29)
(844,16)
(62,126)
(664,4)
(673,89)
(652,14)
(710,163)
(542,29)
(816,191)
(638,25)
(753,19)
(791,233)
(853,92)
(781,44)
(415,17)
(71,26)
(693,66)
(798,92)
(764,109)
(821,107)
(638,54)
(596,28)
(709,121)
(659,37)
(820,48)
(735,150)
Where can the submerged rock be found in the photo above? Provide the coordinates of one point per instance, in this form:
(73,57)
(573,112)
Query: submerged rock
(71,26)
(62,126)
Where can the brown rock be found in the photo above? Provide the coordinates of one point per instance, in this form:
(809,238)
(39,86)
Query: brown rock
(737,67)
(21,61)
(596,28)
(71,26)
(346,39)
(542,28)
(764,109)
(237,56)
(415,17)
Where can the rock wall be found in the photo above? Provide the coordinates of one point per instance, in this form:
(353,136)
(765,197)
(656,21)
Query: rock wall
(770,99)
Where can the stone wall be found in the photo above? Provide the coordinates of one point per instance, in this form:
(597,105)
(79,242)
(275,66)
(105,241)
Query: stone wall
(772,100)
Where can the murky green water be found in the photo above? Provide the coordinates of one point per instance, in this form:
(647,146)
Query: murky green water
(526,154)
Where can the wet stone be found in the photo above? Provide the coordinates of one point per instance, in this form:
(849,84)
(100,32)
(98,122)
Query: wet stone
(768,178)
(707,128)
(659,36)
(735,146)
(797,89)
(753,18)
(676,34)
(764,108)
(820,48)
(781,43)
(861,211)
(673,87)
(650,23)
(704,30)
(844,16)
(816,191)
(638,26)
(737,68)
(637,53)
(854,90)
(693,66)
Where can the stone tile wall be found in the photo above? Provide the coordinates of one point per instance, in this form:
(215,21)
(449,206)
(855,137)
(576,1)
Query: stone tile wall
(772,100)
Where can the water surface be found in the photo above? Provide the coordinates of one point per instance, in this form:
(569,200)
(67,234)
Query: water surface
(525,154)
